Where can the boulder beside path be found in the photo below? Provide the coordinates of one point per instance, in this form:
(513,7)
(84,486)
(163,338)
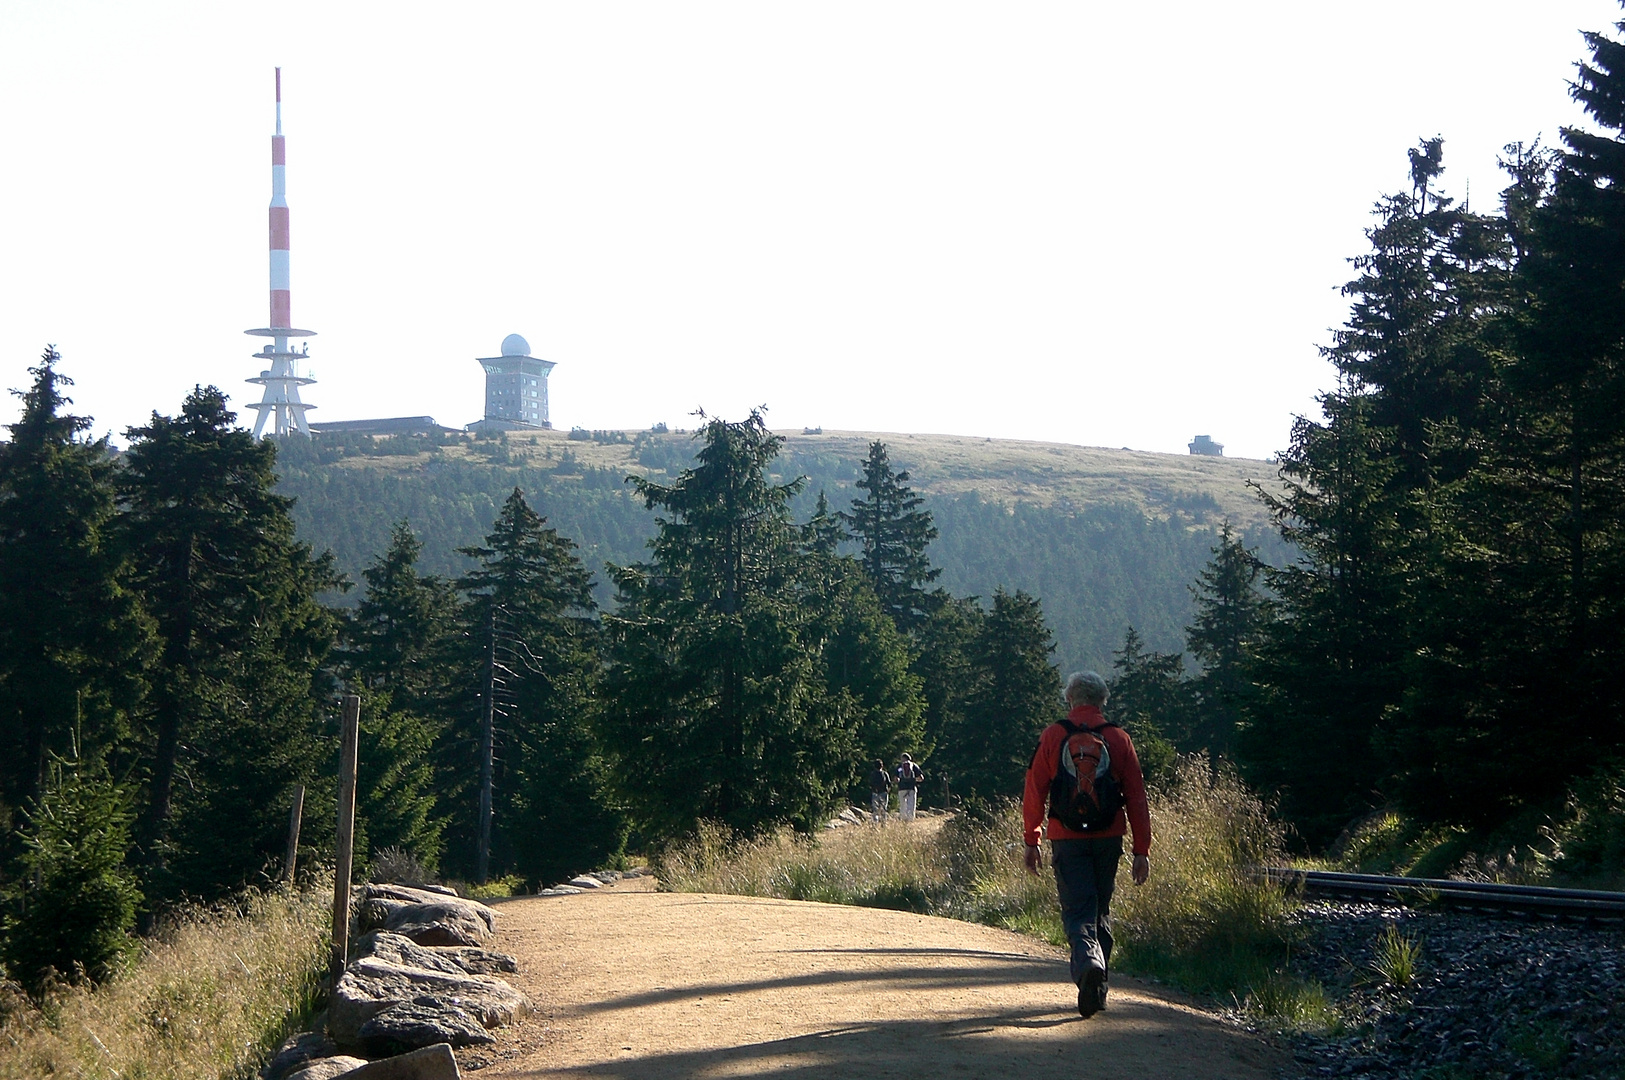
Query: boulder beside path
(428,918)
(430,1063)
(327,1068)
(403,997)
(452,959)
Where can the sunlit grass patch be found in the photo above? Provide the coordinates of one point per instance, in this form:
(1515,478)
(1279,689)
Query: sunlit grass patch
(1375,844)
(1587,840)
(496,889)
(1387,843)
(207,998)
(1395,956)
(1293,1005)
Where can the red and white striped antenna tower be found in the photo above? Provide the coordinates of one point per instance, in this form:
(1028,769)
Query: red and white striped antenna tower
(281,404)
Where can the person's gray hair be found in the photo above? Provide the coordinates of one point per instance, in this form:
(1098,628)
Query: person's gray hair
(1086,688)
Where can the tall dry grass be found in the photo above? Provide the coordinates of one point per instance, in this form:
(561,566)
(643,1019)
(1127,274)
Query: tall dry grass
(206,998)
(1205,920)
(891,866)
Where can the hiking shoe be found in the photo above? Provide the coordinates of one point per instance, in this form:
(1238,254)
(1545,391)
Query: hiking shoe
(1091,992)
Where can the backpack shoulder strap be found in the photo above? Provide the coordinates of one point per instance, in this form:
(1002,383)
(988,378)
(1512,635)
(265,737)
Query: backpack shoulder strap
(1066,725)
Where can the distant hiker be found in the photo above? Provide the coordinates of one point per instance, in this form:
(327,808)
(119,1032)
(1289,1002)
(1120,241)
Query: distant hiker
(1086,769)
(879,791)
(908,782)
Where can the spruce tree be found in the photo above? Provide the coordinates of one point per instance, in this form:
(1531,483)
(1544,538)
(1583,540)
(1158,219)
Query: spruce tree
(1414,340)
(864,657)
(1526,598)
(74,642)
(402,624)
(1014,692)
(823,532)
(1155,703)
(71,909)
(1509,545)
(399,658)
(1564,467)
(945,662)
(397,790)
(1374,501)
(1330,666)
(1230,612)
(718,709)
(892,531)
(238,706)
(531,595)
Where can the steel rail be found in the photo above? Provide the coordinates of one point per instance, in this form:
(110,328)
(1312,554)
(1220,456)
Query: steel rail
(1540,900)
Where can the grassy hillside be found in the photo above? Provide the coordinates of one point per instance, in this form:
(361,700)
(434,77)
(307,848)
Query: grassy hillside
(1106,538)
(1010,471)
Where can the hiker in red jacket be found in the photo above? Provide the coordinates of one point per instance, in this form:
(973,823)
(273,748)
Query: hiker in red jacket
(1086,858)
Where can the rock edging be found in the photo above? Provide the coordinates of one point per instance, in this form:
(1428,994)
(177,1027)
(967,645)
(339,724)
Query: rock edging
(420,984)
(597,879)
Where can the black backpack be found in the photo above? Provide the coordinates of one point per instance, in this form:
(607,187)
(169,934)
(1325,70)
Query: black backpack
(1085,796)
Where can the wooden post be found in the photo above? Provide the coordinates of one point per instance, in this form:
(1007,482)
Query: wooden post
(349,735)
(295,817)
(482,860)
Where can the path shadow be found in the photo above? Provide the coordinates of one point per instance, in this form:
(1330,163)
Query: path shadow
(976,953)
(991,970)
(997,1044)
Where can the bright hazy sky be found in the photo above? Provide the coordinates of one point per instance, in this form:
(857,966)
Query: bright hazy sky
(1112,224)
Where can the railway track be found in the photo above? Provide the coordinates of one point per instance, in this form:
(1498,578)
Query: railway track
(1534,901)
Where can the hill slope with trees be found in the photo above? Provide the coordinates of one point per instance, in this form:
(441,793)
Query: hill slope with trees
(1106,539)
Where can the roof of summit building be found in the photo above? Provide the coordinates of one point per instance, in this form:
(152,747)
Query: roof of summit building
(391,425)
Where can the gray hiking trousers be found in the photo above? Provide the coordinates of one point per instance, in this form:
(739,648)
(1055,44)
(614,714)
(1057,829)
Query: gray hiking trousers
(1085,874)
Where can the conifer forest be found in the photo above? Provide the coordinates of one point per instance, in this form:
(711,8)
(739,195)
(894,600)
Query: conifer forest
(1434,625)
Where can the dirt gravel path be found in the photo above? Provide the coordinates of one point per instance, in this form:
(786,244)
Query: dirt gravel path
(631,983)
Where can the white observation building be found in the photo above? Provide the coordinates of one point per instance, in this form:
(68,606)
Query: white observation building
(515,388)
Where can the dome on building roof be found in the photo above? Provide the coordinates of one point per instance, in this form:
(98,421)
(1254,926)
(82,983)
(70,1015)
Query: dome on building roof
(514,345)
